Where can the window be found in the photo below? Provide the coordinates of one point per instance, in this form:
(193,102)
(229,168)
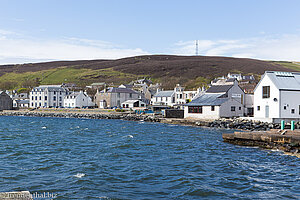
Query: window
(212,108)
(284,107)
(54,92)
(240,108)
(293,111)
(118,95)
(59,98)
(45,98)
(54,98)
(130,95)
(35,97)
(40,98)
(32,98)
(195,109)
(266,92)
(258,108)
(232,108)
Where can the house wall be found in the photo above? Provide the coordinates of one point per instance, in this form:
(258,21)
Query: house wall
(290,100)
(6,103)
(163,100)
(37,98)
(206,113)
(117,101)
(263,102)
(103,96)
(225,109)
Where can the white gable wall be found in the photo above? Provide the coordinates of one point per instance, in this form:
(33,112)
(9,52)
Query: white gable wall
(263,102)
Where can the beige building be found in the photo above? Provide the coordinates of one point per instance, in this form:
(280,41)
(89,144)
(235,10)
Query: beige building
(114,97)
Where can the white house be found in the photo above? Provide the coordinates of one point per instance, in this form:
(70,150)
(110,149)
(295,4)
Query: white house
(78,100)
(277,97)
(213,106)
(218,101)
(47,96)
(134,104)
(164,98)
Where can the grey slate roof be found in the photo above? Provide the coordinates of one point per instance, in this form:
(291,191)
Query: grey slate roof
(285,80)
(120,90)
(51,88)
(208,100)
(73,95)
(167,93)
(218,88)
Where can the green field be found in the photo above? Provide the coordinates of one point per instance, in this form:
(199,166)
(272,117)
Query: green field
(63,75)
(290,65)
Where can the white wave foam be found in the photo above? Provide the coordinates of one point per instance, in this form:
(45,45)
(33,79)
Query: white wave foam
(44,127)
(79,175)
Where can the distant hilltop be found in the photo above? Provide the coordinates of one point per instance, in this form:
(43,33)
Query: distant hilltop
(190,71)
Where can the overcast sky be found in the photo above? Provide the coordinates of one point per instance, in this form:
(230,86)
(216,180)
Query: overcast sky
(43,30)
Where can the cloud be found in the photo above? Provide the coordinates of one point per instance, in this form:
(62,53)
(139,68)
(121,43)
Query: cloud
(280,47)
(19,49)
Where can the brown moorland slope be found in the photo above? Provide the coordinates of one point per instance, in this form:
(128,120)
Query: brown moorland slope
(190,71)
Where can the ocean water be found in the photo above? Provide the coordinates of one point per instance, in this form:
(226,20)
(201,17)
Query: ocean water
(115,159)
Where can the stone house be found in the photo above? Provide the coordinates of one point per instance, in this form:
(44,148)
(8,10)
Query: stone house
(6,103)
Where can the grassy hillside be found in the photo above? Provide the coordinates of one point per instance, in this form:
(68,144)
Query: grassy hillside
(190,71)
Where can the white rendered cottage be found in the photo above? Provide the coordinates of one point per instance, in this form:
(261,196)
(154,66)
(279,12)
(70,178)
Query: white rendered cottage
(277,97)
(164,98)
(78,100)
(213,106)
(218,101)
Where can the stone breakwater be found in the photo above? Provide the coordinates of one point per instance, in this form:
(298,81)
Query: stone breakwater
(123,116)
(236,124)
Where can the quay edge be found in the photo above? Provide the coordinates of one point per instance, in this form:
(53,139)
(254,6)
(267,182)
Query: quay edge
(284,140)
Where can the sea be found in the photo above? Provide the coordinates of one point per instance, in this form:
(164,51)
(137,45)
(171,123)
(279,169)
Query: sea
(66,158)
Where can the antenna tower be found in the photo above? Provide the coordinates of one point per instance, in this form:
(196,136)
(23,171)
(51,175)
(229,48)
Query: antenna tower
(196,47)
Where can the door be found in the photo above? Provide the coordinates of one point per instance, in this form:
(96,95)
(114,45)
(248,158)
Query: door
(267,112)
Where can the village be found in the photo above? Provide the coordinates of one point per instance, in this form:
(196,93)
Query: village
(272,99)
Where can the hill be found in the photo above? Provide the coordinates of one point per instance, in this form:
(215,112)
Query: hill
(190,71)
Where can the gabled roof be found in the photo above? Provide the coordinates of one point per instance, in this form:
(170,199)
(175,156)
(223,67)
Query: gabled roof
(50,88)
(218,88)
(208,100)
(120,90)
(284,80)
(167,93)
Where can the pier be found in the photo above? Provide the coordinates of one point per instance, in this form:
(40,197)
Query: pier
(285,140)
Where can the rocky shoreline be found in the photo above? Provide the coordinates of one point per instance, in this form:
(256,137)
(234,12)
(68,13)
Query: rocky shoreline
(123,116)
(234,124)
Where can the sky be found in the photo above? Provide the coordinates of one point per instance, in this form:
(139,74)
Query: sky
(46,30)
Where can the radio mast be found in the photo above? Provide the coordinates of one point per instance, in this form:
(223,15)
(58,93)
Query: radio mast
(196,47)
